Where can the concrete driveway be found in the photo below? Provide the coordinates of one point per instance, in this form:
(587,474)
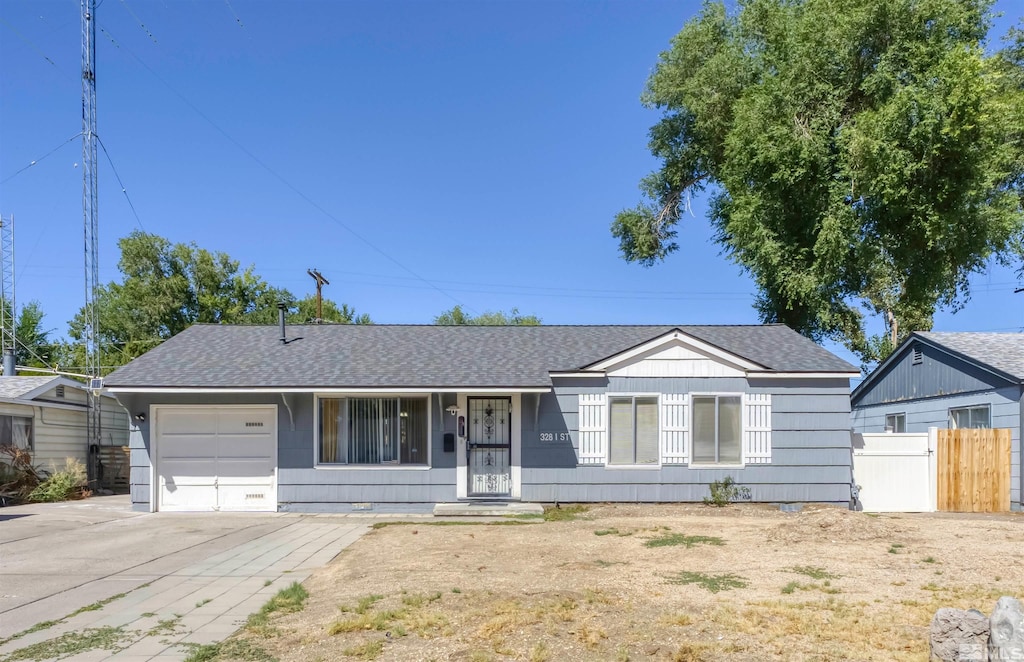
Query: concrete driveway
(164,579)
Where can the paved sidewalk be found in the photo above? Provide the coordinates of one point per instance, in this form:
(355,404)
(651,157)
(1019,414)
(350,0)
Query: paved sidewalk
(206,601)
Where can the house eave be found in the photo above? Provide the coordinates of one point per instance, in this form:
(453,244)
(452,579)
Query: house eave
(751,374)
(328,390)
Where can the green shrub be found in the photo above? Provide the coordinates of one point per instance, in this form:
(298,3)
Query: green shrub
(725,491)
(68,483)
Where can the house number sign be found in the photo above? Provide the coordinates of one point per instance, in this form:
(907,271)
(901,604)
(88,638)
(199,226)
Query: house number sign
(553,437)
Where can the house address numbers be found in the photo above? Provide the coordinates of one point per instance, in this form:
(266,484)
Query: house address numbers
(553,437)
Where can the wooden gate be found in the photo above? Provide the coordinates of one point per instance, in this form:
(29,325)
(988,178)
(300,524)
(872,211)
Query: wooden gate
(974,470)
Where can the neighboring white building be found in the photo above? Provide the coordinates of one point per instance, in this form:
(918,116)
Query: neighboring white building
(47,416)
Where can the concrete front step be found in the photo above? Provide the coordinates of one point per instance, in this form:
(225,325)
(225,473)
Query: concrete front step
(487,509)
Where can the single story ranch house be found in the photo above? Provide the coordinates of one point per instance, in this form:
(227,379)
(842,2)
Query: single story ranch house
(337,418)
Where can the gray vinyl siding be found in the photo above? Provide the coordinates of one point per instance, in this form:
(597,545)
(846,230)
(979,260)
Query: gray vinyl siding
(60,432)
(301,486)
(810,462)
(1005,407)
(811,456)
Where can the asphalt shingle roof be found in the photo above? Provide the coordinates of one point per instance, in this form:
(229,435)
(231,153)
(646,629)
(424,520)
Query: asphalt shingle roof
(331,356)
(15,387)
(1002,351)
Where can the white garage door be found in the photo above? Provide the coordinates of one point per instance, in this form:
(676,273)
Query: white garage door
(216,458)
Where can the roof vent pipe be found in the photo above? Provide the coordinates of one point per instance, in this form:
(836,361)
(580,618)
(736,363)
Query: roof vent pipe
(281,308)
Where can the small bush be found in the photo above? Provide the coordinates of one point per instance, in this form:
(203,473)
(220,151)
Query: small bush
(725,491)
(68,483)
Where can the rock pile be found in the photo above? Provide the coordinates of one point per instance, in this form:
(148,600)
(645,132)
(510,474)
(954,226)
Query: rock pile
(959,635)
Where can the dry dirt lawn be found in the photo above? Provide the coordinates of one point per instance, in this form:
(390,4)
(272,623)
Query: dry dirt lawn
(667,582)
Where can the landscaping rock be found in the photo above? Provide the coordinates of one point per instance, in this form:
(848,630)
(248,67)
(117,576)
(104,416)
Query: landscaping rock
(1006,641)
(959,636)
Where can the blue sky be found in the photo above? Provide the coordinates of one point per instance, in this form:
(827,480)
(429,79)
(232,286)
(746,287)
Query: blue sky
(419,154)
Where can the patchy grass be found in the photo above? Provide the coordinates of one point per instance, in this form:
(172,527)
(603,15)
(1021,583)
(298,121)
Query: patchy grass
(895,547)
(709,582)
(559,513)
(503,522)
(95,606)
(675,539)
(289,599)
(232,649)
(73,643)
(545,592)
(812,571)
(369,650)
(929,559)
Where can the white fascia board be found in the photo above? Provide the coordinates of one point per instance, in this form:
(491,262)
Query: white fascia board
(654,343)
(382,389)
(56,381)
(576,373)
(802,375)
(38,403)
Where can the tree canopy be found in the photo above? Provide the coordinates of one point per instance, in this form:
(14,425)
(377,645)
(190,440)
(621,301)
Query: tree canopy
(168,287)
(862,157)
(34,346)
(457,317)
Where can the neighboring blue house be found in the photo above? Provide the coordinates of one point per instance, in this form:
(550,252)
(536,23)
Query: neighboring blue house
(335,418)
(948,380)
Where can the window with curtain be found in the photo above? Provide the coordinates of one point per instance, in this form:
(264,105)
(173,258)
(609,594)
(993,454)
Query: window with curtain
(717,429)
(970,417)
(16,431)
(373,431)
(633,430)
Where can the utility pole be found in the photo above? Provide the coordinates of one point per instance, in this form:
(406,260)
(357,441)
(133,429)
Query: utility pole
(8,311)
(320,282)
(90,214)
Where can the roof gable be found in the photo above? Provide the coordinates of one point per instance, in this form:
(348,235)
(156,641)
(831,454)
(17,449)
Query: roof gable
(943,366)
(675,354)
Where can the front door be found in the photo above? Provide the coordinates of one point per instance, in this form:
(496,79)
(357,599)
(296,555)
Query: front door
(489,445)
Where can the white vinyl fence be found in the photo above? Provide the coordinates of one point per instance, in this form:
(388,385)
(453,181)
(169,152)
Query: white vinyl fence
(896,472)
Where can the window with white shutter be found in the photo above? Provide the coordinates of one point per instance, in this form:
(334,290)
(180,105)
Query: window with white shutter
(757,428)
(592,427)
(675,428)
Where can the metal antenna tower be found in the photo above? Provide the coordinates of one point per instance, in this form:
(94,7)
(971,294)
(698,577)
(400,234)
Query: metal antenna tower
(90,203)
(8,311)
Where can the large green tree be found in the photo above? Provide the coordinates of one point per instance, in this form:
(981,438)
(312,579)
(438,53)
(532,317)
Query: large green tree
(458,317)
(862,157)
(167,287)
(34,347)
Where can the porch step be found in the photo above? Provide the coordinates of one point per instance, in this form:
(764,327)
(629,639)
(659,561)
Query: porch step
(487,509)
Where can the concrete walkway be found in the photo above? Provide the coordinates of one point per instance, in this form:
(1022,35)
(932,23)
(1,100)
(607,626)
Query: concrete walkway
(196,593)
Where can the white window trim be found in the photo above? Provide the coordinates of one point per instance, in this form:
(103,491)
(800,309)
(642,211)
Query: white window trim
(717,465)
(608,431)
(331,466)
(894,413)
(984,405)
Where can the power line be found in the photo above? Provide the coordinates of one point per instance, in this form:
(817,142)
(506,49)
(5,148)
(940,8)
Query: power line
(36,49)
(120,183)
(15,174)
(235,14)
(278,176)
(139,20)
